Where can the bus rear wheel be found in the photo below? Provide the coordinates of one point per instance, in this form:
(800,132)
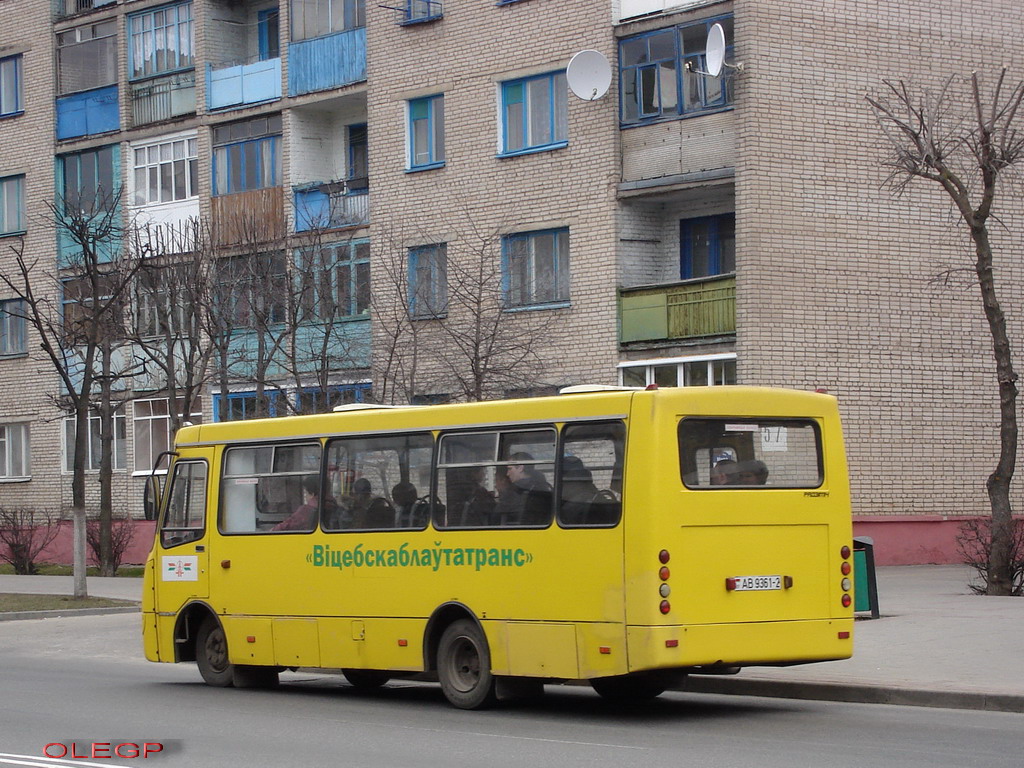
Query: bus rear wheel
(366,679)
(464,666)
(212,654)
(628,688)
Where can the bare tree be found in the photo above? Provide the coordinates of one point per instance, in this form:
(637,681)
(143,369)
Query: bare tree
(76,307)
(24,534)
(966,141)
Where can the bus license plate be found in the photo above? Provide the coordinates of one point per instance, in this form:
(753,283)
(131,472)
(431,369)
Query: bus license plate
(756,583)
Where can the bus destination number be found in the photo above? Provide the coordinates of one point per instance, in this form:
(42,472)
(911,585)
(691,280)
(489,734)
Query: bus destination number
(757,583)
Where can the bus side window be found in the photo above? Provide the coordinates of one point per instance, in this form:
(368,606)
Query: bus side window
(590,475)
(185,519)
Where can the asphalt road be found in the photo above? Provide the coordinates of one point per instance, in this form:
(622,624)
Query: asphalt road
(83,680)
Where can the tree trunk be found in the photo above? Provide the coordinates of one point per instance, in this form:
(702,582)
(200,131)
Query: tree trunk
(106,411)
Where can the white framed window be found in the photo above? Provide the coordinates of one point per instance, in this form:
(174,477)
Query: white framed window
(151,427)
(92,458)
(14,452)
(12,327)
(12,205)
(165,171)
(693,371)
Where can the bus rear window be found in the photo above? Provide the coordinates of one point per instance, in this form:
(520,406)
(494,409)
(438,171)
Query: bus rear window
(750,453)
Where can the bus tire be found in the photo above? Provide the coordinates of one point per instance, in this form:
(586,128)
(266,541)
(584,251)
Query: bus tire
(212,654)
(366,679)
(464,666)
(628,688)
(248,676)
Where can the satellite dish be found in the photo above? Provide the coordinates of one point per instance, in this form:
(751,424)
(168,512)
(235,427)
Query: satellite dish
(715,50)
(589,74)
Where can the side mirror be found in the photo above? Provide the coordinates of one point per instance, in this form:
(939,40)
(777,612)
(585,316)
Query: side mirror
(151,497)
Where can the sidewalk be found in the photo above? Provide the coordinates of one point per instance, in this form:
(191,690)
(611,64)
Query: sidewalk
(936,645)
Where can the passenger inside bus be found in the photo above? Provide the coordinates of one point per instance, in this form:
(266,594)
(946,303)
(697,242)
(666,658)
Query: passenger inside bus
(753,472)
(304,517)
(524,494)
(724,472)
(404,497)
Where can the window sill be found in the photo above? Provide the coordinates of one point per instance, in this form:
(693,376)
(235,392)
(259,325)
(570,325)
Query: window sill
(13,480)
(428,167)
(424,20)
(533,150)
(12,115)
(537,307)
(16,233)
(14,355)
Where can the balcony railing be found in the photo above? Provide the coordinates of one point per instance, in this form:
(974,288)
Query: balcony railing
(164,98)
(229,85)
(71,7)
(248,218)
(679,310)
(328,206)
(327,62)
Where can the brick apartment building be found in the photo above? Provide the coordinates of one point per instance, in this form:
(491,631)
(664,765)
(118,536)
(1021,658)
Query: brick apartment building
(680,230)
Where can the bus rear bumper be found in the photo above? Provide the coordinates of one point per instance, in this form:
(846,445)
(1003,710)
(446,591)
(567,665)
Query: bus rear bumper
(740,644)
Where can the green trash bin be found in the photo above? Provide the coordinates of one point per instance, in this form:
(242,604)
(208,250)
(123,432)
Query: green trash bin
(865,588)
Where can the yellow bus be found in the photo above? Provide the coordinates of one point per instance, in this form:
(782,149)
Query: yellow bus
(621,537)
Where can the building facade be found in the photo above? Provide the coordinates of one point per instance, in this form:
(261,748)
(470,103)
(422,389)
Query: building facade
(377,185)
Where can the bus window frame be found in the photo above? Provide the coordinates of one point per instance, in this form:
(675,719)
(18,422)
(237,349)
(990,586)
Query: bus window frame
(621,447)
(758,421)
(191,534)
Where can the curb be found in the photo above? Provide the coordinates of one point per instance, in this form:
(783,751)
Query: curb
(66,612)
(858,693)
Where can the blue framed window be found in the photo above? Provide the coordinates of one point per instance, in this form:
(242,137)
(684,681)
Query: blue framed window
(707,246)
(535,267)
(421,10)
(88,181)
(322,400)
(426,132)
(535,113)
(247,155)
(10,86)
(334,281)
(428,280)
(660,73)
(358,158)
(268,31)
(12,205)
(12,327)
(237,406)
(160,40)
(315,18)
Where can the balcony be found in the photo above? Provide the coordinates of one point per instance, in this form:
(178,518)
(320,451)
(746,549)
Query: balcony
(248,218)
(329,206)
(235,84)
(696,308)
(327,62)
(163,98)
(72,7)
(88,113)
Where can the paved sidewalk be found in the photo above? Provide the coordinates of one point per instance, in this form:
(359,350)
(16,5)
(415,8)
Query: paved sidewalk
(936,644)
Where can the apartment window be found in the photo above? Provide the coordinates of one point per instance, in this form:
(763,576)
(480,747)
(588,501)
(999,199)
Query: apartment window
(535,113)
(659,73)
(12,327)
(428,280)
(426,132)
(78,307)
(12,205)
(422,10)
(93,451)
(87,57)
(314,18)
(10,85)
(709,371)
(358,158)
(252,290)
(237,406)
(247,155)
(160,41)
(334,281)
(14,452)
(151,426)
(707,246)
(88,181)
(268,30)
(165,171)
(165,302)
(536,267)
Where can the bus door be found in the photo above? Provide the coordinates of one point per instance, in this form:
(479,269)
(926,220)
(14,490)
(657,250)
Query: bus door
(182,561)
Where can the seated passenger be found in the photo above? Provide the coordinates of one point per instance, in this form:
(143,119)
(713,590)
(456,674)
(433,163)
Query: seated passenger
(724,472)
(524,495)
(304,518)
(578,491)
(752,472)
(404,497)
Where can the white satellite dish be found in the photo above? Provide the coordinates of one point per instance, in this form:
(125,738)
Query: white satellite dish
(589,74)
(715,50)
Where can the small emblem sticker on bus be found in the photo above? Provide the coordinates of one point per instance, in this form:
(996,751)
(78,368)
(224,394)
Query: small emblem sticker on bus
(180,568)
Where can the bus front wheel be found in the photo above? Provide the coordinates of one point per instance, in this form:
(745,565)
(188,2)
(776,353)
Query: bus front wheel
(464,666)
(212,654)
(629,688)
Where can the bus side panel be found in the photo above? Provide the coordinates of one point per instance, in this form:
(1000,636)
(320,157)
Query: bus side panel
(371,643)
(250,640)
